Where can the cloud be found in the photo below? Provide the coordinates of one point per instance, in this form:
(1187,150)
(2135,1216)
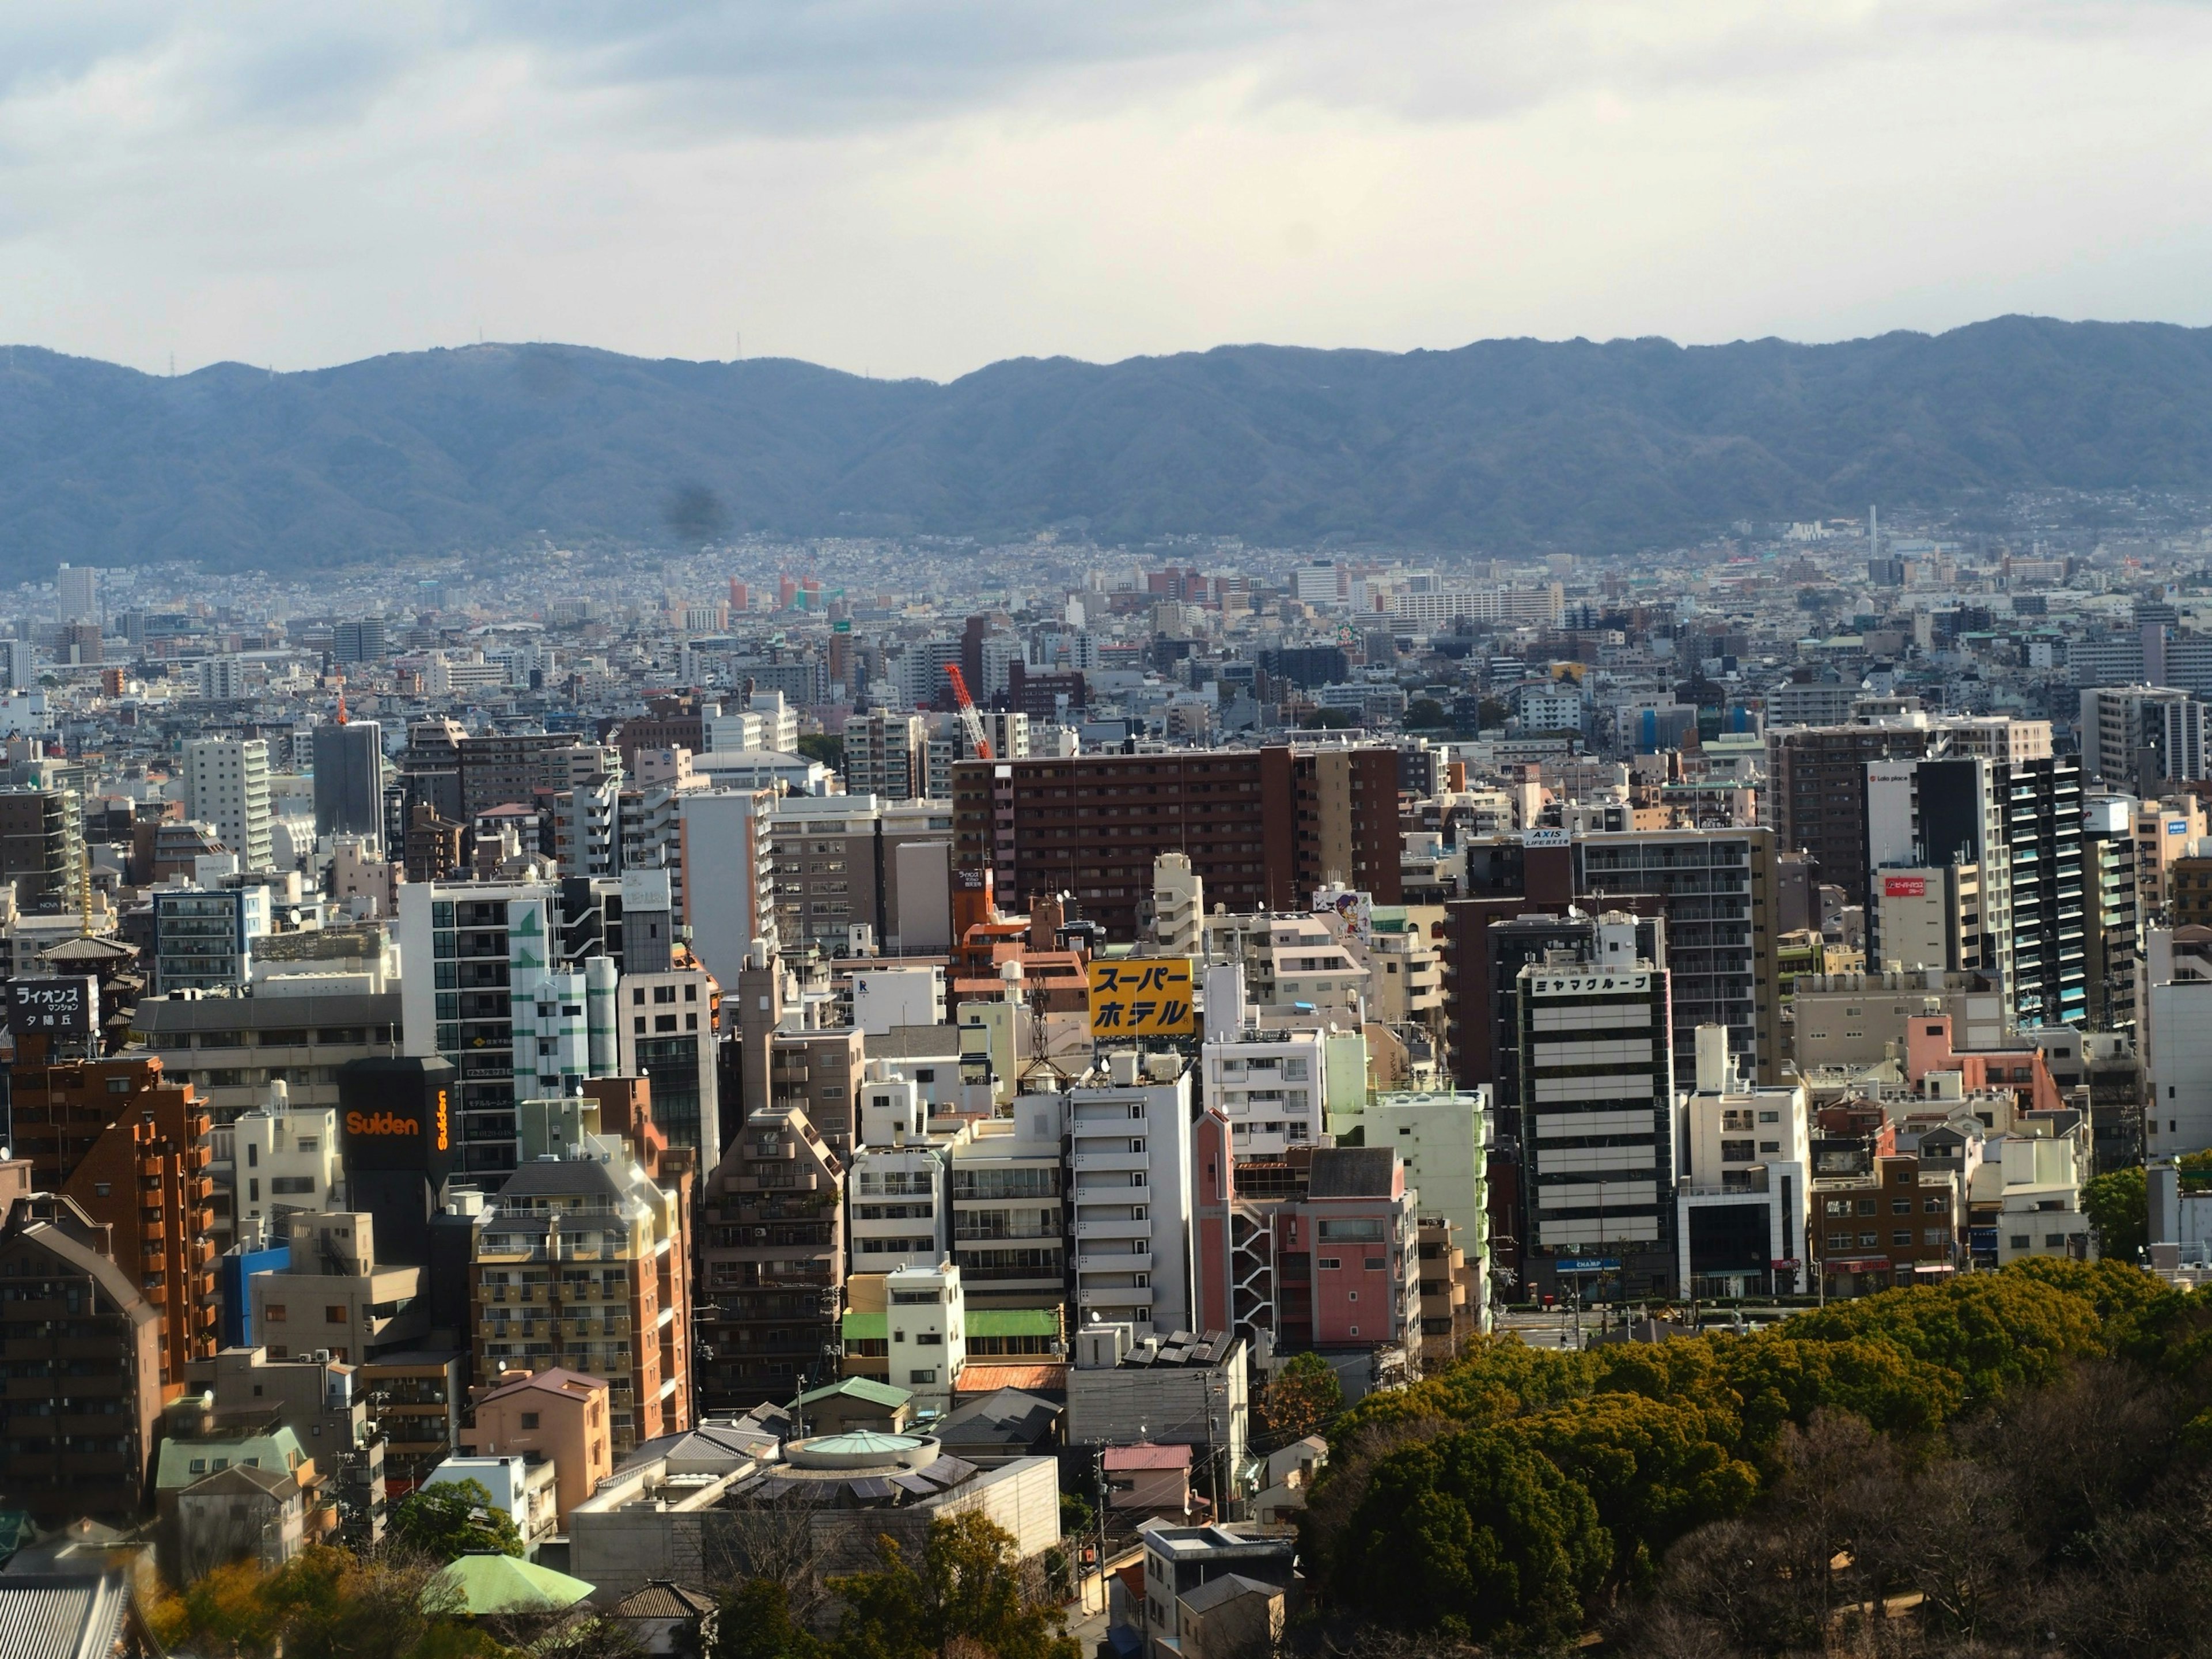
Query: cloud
(922,185)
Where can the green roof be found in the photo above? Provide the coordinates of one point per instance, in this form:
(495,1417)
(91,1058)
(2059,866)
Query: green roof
(861,1387)
(870,1328)
(498,1583)
(1013,1322)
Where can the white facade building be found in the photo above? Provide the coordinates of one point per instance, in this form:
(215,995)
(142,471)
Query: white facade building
(227,784)
(1271,1087)
(1129,1186)
(926,1320)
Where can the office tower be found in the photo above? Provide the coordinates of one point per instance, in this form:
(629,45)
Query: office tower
(359,642)
(2113,913)
(472,936)
(1816,780)
(19,668)
(80,645)
(349,767)
(2141,739)
(772,1260)
(84,1346)
(227,784)
(1598,1143)
(886,755)
(1264,828)
(1718,889)
(41,846)
(76,586)
(1129,1190)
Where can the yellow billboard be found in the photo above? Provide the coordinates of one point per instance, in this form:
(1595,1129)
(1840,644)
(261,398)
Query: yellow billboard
(1141,996)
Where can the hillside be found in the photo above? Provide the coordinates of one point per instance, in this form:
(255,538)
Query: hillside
(1502,446)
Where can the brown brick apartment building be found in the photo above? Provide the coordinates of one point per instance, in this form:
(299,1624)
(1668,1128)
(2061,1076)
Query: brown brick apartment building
(1263,827)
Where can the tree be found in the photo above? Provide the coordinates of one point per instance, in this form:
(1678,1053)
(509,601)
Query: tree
(1492,713)
(755,1622)
(1302,1398)
(1424,713)
(826,747)
(2117,1204)
(454,1518)
(1327,719)
(966,1591)
(1475,1532)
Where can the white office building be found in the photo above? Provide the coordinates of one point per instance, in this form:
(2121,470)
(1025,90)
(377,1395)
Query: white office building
(926,1318)
(1270,1087)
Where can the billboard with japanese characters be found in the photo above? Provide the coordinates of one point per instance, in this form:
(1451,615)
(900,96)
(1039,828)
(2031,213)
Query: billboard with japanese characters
(1141,996)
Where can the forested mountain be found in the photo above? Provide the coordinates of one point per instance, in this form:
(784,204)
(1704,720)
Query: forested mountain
(1504,446)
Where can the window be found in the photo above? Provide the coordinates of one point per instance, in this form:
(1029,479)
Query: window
(273,1314)
(530,1419)
(1900,1206)
(1735,1151)
(334,1315)
(1867,1241)
(2054,1241)
(1376,1264)
(1328,1263)
(1935,1237)
(1840,1240)
(1902,1241)
(1934,1206)
(923,1376)
(1353,1296)
(2019,1241)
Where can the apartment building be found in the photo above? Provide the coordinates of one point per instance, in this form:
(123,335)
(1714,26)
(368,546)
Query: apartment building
(132,1149)
(231,1050)
(772,1262)
(335,1295)
(665,1031)
(1264,828)
(1817,783)
(1739,1206)
(725,875)
(887,755)
(1896,1224)
(41,845)
(227,785)
(581,1263)
(1270,1085)
(2141,739)
(1129,1185)
(863,861)
(88,1372)
(1010,1197)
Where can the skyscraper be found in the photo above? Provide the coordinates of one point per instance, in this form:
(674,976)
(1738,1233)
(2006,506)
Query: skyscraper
(77,587)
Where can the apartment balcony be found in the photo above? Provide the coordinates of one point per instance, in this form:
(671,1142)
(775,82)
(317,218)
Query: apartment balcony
(1120,1228)
(1125,1161)
(1129,1262)
(1116,1296)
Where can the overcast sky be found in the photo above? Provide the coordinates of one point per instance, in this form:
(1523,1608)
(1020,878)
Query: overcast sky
(921,186)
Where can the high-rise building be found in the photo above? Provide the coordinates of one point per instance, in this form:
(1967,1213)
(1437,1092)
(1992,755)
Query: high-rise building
(132,1149)
(227,784)
(1264,828)
(223,679)
(2113,913)
(1129,1190)
(886,755)
(362,640)
(772,1259)
(2043,839)
(2141,739)
(87,1369)
(76,586)
(1598,1142)
(349,766)
(664,1032)
(848,861)
(473,937)
(1718,889)
(203,940)
(41,846)
(1817,786)
(725,875)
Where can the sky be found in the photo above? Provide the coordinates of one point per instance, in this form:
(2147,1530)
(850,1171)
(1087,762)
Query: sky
(920,187)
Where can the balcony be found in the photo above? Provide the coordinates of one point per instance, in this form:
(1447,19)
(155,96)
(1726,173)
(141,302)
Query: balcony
(1121,1229)
(1126,1161)
(1118,1296)
(1088,1262)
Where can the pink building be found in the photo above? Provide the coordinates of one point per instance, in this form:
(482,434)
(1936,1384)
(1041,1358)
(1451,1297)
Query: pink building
(1928,1048)
(1318,1250)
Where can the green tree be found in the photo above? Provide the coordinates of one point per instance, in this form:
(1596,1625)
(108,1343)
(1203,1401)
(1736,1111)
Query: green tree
(826,747)
(1302,1399)
(2117,1204)
(755,1622)
(452,1519)
(967,1590)
(1492,713)
(1327,719)
(1475,1532)
(1423,713)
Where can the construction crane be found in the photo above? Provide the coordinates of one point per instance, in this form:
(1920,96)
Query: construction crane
(970,721)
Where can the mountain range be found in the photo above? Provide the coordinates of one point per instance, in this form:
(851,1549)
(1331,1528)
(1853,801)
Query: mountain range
(1502,446)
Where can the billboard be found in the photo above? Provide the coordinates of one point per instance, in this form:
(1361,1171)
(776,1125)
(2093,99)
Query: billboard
(66,1005)
(1905,887)
(1141,996)
(400,1115)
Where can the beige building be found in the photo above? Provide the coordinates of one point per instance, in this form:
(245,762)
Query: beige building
(334,1295)
(558,1417)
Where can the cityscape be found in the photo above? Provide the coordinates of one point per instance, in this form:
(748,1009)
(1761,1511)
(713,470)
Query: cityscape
(987,829)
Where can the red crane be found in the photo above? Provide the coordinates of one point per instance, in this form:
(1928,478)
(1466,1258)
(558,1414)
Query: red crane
(970,721)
